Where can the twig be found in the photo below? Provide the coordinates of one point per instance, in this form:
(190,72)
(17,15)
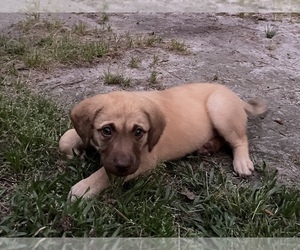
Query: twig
(271,89)
(122,215)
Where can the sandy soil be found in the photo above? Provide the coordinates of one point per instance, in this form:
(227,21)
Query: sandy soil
(228,49)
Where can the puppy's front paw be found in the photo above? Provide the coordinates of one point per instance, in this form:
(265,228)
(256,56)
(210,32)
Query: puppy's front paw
(81,189)
(243,167)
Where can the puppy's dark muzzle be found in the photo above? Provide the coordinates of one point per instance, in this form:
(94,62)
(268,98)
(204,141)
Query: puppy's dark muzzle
(122,166)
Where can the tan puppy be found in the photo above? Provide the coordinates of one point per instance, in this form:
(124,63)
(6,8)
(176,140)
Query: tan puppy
(134,131)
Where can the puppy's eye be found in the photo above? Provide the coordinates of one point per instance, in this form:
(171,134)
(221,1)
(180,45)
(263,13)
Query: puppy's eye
(138,133)
(106,131)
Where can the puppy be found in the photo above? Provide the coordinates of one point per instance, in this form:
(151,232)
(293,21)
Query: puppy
(135,131)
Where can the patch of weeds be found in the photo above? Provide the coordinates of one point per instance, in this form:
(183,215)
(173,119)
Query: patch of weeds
(175,45)
(29,22)
(50,44)
(117,79)
(154,61)
(215,77)
(153,78)
(241,14)
(109,28)
(105,18)
(134,62)
(68,50)
(2,78)
(152,41)
(80,28)
(11,69)
(142,41)
(3,41)
(93,50)
(45,41)
(35,60)
(270,32)
(129,40)
(36,16)
(12,47)
(53,25)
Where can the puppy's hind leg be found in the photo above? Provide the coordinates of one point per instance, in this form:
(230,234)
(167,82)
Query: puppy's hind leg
(230,120)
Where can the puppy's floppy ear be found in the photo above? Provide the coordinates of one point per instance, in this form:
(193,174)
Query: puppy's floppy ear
(83,116)
(157,123)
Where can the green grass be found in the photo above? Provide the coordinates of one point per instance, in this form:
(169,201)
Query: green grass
(152,41)
(37,43)
(134,62)
(80,28)
(153,78)
(183,198)
(270,32)
(154,62)
(44,44)
(177,46)
(115,78)
(143,41)
(50,49)
(105,18)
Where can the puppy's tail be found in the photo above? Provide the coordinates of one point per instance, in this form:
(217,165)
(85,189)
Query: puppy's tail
(255,107)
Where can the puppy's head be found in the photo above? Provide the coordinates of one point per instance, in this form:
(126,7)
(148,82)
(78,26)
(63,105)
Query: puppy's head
(121,126)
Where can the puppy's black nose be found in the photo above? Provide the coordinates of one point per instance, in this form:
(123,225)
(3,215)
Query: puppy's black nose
(122,164)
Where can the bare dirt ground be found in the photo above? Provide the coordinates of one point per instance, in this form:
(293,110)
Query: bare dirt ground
(229,49)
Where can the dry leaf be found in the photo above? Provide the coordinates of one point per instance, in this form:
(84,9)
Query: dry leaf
(189,194)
